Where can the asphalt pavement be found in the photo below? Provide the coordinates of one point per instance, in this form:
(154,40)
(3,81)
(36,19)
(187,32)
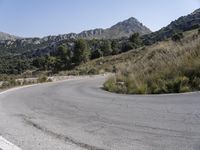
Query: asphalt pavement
(78,114)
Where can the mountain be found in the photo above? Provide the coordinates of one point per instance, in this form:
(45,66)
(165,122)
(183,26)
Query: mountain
(119,30)
(182,24)
(6,36)
(126,28)
(17,45)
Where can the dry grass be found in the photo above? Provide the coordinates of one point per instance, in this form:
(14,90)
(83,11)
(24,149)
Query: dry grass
(164,67)
(138,56)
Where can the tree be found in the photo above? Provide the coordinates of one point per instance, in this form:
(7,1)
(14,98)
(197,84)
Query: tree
(196,26)
(106,48)
(135,40)
(63,57)
(81,51)
(62,50)
(97,53)
(127,46)
(39,62)
(50,62)
(95,46)
(177,37)
(115,47)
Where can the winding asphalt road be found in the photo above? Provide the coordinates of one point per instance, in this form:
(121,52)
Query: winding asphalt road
(77,114)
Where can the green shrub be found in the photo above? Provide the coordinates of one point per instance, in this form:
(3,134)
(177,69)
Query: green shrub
(130,84)
(177,37)
(184,89)
(49,80)
(196,83)
(121,88)
(110,85)
(92,71)
(141,89)
(5,84)
(157,87)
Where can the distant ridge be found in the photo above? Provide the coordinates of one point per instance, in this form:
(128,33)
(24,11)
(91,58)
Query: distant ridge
(119,30)
(6,36)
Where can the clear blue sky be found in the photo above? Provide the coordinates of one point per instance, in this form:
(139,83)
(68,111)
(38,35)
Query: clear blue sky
(30,18)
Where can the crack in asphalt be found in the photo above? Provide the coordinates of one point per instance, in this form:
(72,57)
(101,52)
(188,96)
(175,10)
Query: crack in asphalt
(61,137)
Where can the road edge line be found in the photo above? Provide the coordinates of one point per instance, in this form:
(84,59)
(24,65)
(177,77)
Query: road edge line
(6,145)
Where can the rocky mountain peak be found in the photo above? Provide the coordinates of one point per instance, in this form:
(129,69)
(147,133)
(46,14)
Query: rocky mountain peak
(130,20)
(128,27)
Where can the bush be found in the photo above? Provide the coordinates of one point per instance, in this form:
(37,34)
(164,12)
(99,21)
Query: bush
(179,84)
(10,82)
(177,37)
(157,86)
(42,79)
(49,80)
(141,89)
(184,89)
(196,83)
(93,71)
(110,85)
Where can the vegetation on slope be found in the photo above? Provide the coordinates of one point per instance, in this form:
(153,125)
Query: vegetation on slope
(182,24)
(166,67)
(66,55)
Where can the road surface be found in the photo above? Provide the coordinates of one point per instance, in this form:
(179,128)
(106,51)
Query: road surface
(77,114)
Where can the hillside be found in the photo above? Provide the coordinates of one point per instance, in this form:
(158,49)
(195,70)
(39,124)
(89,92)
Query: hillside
(184,23)
(114,63)
(165,67)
